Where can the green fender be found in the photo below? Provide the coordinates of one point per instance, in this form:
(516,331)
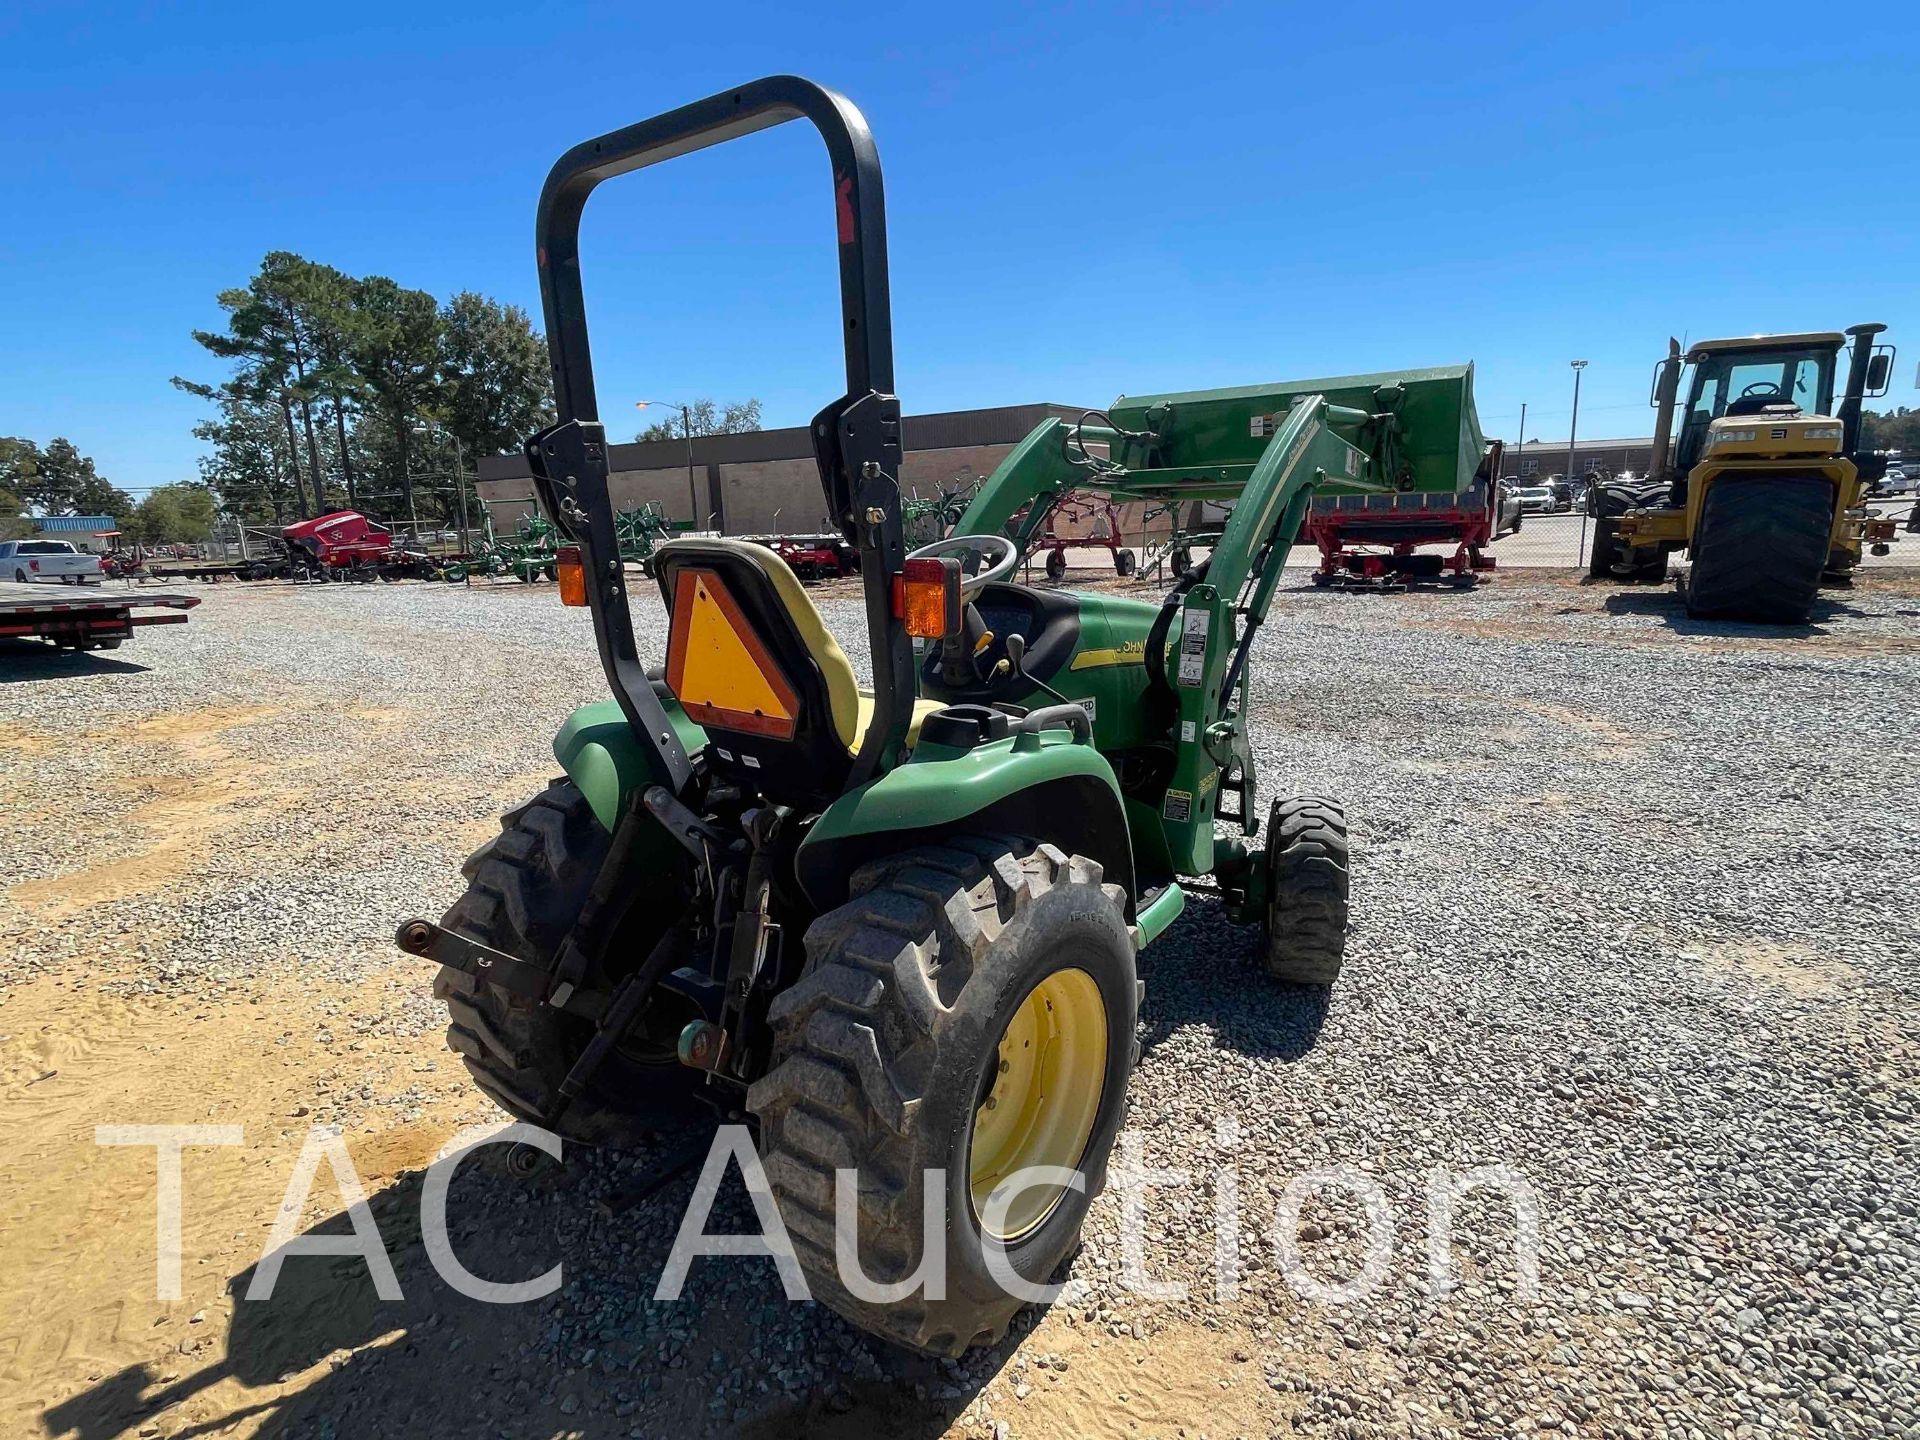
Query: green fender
(597,749)
(1048,786)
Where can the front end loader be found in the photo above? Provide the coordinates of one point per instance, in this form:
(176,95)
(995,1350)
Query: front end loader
(892,927)
(1763,488)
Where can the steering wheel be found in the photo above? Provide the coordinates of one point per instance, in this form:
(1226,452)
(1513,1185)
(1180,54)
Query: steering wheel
(997,569)
(1761,390)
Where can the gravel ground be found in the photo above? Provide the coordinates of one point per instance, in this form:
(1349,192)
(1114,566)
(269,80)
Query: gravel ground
(1633,916)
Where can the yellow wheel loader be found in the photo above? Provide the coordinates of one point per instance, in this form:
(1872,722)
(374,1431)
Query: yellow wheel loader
(1762,486)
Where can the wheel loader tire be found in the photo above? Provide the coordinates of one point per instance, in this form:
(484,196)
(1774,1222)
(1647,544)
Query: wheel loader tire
(1760,549)
(896,1052)
(1306,921)
(524,889)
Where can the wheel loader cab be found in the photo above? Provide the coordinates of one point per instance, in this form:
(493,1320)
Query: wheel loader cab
(753,664)
(1733,378)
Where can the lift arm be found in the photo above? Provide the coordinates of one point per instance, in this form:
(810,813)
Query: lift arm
(1221,614)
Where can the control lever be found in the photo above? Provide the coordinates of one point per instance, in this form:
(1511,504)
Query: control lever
(1016,662)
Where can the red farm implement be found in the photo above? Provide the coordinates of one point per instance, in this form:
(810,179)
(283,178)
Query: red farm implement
(1083,522)
(346,545)
(1372,542)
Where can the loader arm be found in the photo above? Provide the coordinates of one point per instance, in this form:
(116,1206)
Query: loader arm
(1218,618)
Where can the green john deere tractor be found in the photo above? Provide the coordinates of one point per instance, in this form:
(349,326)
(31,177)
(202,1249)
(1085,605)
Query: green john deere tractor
(894,927)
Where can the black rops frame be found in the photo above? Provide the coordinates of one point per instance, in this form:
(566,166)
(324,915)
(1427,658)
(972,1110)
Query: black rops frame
(856,439)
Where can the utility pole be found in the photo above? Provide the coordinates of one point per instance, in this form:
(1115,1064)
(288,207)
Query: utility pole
(686,428)
(1520,451)
(693,499)
(1573,431)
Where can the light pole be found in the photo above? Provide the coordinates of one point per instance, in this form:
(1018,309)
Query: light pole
(1521,453)
(686,424)
(1573,431)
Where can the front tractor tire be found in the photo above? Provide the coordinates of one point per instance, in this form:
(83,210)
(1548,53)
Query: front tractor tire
(524,889)
(1305,937)
(967,1014)
(1761,549)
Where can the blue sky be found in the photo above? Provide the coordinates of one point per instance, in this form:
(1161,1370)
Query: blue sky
(1083,200)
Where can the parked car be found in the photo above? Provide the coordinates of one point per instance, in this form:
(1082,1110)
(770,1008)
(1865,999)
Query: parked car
(1563,491)
(1900,482)
(1507,510)
(1537,499)
(29,560)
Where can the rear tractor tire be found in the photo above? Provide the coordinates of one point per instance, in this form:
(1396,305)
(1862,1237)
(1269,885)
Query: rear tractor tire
(968,1014)
(524,890)
(1307,884)
(1609,502)
(1760,549)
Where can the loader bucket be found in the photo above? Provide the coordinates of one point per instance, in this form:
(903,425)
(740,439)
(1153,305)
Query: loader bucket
(1439,438)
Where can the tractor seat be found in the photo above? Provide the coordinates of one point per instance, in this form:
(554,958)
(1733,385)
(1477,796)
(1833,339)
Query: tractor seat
(752,662)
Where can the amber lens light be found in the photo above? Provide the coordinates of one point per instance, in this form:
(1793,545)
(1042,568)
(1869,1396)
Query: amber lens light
(927,597)
(571,574)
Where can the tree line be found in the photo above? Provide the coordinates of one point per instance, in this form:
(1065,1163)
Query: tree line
(345,391)
(58,480)
(1898,429)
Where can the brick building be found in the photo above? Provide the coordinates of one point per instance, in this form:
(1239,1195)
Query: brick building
(1542,458)
(765,481)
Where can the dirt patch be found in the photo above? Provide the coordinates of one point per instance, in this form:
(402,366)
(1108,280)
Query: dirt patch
(190,789)
(77,1277)
(1796,971)
(22,741)
(1065,1383)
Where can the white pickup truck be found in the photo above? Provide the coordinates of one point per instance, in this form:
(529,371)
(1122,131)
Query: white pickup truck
(29,560)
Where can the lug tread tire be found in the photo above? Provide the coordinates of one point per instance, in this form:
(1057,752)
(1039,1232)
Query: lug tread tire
(1609,502)
(1761,549)
(1307,890)
(853,1061)
(525,887)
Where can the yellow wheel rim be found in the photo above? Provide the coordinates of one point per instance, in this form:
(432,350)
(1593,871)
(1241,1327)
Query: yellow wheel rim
(1038,1103)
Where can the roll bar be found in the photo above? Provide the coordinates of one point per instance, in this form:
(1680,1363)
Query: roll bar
(856,438)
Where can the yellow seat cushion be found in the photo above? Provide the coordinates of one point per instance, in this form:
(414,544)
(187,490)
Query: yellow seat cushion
(852,707)
(921,709)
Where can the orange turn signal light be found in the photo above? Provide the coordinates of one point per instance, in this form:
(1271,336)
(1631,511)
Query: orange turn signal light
(926,595)
(571,574)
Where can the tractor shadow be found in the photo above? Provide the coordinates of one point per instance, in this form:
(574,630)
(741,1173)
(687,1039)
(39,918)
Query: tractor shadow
(37,660)
(325,1355)
(1666,606)
(1204,971)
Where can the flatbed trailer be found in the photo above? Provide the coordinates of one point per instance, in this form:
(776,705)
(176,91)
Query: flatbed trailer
(98,618)
(211,571)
